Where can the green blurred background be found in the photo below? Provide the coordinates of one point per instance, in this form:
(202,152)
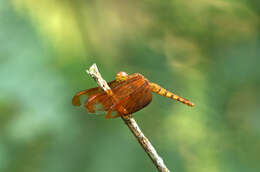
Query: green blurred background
(204,50)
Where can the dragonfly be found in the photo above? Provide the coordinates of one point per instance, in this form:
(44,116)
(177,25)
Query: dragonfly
(128,94)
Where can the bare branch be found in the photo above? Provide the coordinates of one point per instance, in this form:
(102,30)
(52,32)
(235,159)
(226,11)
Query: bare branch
(132,125)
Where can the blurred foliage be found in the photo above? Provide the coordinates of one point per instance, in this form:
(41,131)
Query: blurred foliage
(204,50)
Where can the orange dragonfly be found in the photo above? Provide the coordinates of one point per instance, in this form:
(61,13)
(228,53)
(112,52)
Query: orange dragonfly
(128,94)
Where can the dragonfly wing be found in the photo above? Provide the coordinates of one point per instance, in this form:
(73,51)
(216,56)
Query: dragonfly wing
(92,91)
(140,98)
(101,101)
(139,95)
(89,92)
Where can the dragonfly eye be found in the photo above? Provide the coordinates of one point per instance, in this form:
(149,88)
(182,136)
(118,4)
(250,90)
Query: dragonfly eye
(121,76)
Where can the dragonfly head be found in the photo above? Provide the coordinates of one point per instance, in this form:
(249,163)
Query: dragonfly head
(121,76)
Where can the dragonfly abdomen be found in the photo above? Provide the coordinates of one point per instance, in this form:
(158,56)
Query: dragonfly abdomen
(163,92)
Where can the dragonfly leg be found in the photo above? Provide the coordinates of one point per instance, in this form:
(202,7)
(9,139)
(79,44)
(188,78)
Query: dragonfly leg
(109,113)
(119,108)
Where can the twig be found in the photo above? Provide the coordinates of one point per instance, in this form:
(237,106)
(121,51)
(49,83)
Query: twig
(131,123)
